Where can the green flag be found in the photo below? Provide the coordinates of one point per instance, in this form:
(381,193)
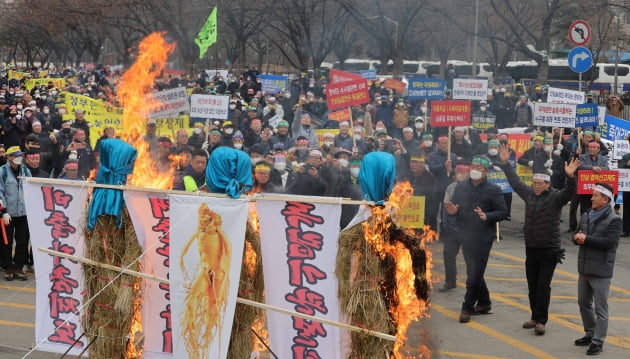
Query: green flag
(208,34)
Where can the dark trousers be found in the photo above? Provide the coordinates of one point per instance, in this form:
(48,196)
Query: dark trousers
(508,203)
(476,253)
(626,211)
(575,202)
(540,263)
(17,231)
(452,243)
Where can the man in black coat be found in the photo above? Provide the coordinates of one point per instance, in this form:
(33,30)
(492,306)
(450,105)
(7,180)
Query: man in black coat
(543,250)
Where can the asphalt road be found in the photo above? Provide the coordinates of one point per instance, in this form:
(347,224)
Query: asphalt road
(496,335)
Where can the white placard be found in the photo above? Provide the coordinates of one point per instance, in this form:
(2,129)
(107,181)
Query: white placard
(173,102)
(601,114)
(620,148)
(554,114)
(209,106)
(558,95)
(470,89)
(624,179)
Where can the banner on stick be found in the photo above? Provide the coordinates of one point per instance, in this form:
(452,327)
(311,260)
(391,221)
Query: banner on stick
(450,113)
(554,114)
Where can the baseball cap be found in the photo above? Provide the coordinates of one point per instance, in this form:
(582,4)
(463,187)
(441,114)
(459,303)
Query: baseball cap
(14,151)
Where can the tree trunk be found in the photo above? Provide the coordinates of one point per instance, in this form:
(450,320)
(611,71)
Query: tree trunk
(543,72)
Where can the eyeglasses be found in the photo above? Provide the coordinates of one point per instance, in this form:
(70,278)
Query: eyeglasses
(535,184)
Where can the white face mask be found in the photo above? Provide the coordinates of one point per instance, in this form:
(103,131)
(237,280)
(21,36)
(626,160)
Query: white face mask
(493,152)
(19,117)
(46,111)
(380,129)
(423,109)
(17,160)
(232,107)
(238,146)
(197,130)
(280,166)
(428,143)
(19,106)
(54,93)
(475,175)
(354,171)
(287,95)
(461,177)
(228,131)
(62,111)
(357,137)
(482,108)
(419,126)
(343,162)
(548,148)
(72,156)
(255,160)
(328,143)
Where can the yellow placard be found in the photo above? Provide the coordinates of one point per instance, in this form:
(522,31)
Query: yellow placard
(412,214)
(57,82)
(17,75)
(525,173)
(321,131)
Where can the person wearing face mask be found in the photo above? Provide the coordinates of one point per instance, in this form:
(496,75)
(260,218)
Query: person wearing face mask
(409,141)
(543,247)
(14,128)
(491,134)
(282,174)
(228,131)
(56,119)
(237,142)
(234,113)
(449,235)
(424,184)
(81,123)
(348,185)
(198,136)
(282,135)
(400,118)
(45,118)
(478,206)
(343,138)
(300,151)
(385,113)
(14,215)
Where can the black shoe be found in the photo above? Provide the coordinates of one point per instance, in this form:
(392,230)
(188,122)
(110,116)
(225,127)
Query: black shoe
(482,309)
(19,275)
(595,349)
(464,316)
(447,288)
(584,341)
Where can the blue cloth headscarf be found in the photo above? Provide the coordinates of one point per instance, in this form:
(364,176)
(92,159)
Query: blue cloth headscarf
(229,171)
(117,161)
(377,176)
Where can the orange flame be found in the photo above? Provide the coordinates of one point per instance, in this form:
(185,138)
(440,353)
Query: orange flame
(135,343)
(259,328)
(409,307)
(134,87)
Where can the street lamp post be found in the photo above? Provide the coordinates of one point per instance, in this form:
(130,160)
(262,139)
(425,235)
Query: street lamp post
(474,61)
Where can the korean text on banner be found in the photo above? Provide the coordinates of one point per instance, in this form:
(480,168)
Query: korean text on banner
(303,279)
(348,93)
(412,214)
(450,113)
(499,178)
(614,128)
(483,122)
(55,219)
(149,214)
(558,95)
(586,180)
(470,89)
(173,102)
(273,84)
(57,82)
(209,106)
(554,114)
(343,76)
(369,75)
(587,115)
(398,86)
(620,148)
(211,237)
(426,88)
(208,34)
(340,116)
(623,180)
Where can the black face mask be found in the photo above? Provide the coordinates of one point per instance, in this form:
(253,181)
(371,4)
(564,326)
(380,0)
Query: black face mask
(3,160)
(503,142)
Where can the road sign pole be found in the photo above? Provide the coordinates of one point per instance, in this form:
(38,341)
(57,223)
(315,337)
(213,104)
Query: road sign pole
(580,82)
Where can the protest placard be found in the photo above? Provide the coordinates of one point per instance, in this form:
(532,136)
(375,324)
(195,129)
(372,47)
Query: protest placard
(173,102)
(426,88)
(554,114)
(470,89)
(450,113)
(587,115)
(395,85)
(587,178)
(558,95)
(273,84)
(347,93)
(209,106)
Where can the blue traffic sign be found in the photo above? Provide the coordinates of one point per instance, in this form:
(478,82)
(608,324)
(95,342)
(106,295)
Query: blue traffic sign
(580,59)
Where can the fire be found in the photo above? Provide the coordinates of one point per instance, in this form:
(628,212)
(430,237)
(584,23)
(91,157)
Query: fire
(253,216)
(259,328)
(408,307)
(134,87)
(135,342)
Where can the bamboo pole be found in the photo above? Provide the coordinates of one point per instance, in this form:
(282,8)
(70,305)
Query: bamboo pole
(239,300)
(268,197)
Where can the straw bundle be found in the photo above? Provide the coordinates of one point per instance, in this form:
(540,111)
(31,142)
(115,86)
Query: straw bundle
(251,286)
(108,316)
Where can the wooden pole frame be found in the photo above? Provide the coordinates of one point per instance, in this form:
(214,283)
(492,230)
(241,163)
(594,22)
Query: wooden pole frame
(238,299)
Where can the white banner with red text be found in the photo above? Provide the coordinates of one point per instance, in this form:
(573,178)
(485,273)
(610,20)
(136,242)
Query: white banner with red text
(299,249)
(56,215)
(149,214)
(205,271)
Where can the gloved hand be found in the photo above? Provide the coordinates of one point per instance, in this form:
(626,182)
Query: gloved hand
(556,152)
(204,146)
(497,168)
(6,218)
(530,163)
(548,163)
(559,147)
(550,171)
